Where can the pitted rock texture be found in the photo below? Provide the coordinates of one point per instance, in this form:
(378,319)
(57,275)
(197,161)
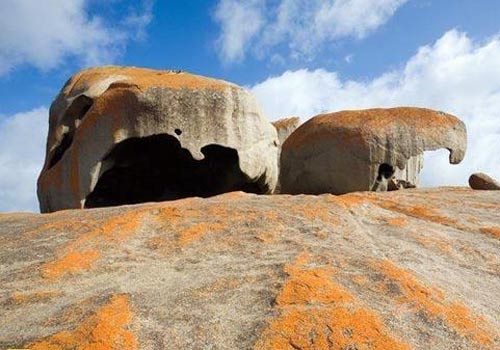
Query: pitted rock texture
(481,181)
(414,269)
(123,135)
(345,151)
(285,127)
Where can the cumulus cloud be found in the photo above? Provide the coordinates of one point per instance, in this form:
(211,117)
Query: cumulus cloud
(455,74)
(45,33)
(22,149)
(304,26)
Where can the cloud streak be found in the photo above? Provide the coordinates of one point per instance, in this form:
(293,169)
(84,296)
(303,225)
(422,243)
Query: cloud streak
(303,27)
(45,33)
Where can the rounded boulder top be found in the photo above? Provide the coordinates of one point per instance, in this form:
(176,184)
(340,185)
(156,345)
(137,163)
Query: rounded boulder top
(342,152)
(124,135)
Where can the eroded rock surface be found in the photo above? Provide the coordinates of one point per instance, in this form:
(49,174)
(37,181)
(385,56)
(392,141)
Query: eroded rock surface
(349,151)
(285,127)
(481,181)
(414,269)
(121,135)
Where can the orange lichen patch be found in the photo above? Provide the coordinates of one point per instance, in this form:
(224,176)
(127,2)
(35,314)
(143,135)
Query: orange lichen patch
(33,297)
(327,328)
(432,303)
(352,199)
(114,229)
(286,122)
(197,231)
(397,222)
(314,210)
(311,286)
(107,329)
(492,231)
(70,263)
(144,79)
(426,213)
(356,126)
(434,242)
(318,313)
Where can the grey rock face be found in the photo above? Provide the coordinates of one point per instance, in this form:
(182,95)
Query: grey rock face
(481,181)
(121,135)
(348,151)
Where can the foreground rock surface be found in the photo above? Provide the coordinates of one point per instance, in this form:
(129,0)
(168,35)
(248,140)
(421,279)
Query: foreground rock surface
(481,181)
(415,269)
(124,135)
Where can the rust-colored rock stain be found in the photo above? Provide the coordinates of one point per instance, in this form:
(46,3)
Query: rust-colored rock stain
(70,263)
(106,329)
(491,231)
(432,303)
(318,313)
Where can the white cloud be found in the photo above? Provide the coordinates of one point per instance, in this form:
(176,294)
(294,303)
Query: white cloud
(22,149)
(240,21)
(45,33)
(455,74)
(303,25)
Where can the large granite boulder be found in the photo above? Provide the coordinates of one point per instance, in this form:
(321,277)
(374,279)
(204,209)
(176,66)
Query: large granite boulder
(373,149)
(121,135)
(243,271)
(481,181)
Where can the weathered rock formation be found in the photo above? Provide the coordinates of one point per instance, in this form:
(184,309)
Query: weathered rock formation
(481,181)
(285,127)
(241,271)
(121,135)
(364,150)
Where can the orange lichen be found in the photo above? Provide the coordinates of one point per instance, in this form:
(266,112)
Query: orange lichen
(70,263)
(492,231)
(143,79)
(311,286)
(33,297)
(197,231)
(107,329)
(426,213)
(432,303)
(318,313)
(397,222)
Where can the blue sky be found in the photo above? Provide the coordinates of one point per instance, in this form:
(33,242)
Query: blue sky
(298,57)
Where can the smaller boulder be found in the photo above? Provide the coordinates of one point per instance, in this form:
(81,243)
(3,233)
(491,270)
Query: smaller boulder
(481,181)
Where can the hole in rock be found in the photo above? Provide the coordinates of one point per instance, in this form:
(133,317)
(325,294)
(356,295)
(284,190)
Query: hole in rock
(74,113)
(157,168)
(178,131)
(385,171)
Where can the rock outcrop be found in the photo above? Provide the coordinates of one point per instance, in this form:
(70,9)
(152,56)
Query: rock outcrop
(121,135)
(481,181)
(400,270)
(285,127)
(363,150)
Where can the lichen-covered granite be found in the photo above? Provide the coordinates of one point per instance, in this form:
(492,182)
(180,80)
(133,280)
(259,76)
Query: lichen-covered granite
(413,269)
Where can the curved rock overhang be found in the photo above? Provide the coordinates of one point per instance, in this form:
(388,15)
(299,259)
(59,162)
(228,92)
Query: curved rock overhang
(342,152)
(102,109)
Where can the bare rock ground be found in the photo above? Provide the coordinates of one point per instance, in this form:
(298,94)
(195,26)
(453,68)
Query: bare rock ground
(413,269)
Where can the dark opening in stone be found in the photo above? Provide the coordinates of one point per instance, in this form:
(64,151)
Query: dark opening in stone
(386,171)
(74,114)
(157,168)
(178,131)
